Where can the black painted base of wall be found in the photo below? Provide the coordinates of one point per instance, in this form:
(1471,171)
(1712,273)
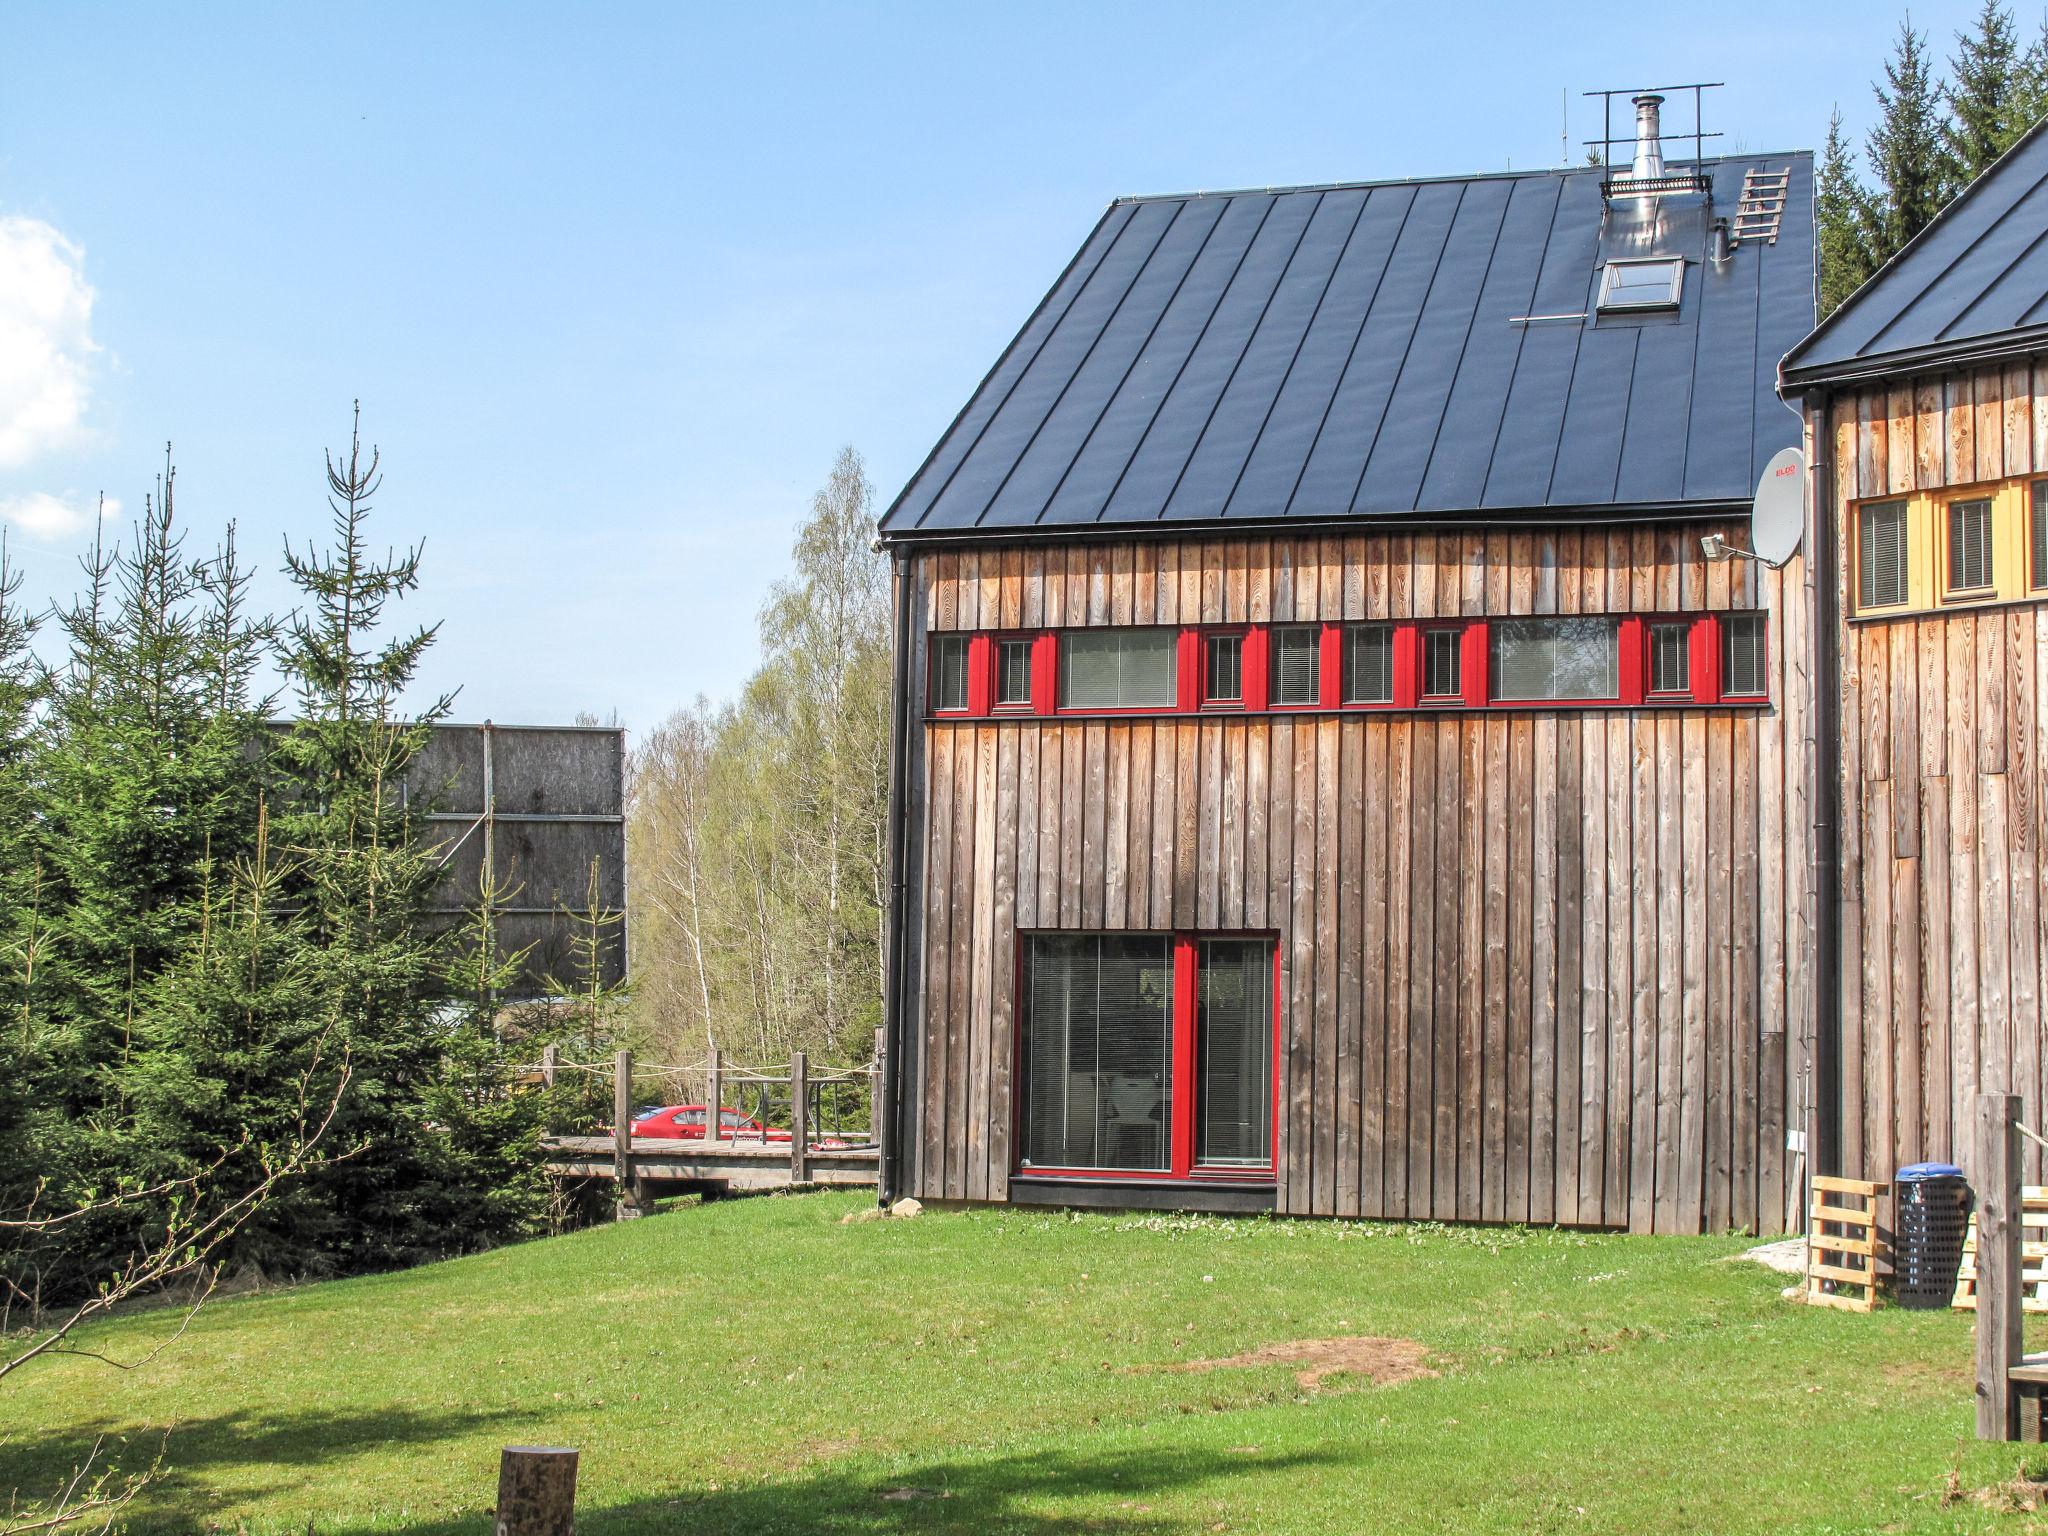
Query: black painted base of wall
(1223,1199)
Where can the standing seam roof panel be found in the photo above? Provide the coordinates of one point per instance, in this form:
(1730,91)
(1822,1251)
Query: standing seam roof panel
(960,439)
(1156,467)
(2014,246)
(1011,430)
(1329,481)
(1462,446)
(1226,440)
(1724,396)
(1786,296)
(1044,464)
(1274,467)
(1392,474)
(1524,457)
(1589,447)
(1092,478)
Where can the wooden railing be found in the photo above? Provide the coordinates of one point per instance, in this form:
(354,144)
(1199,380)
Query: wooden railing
(807,1090)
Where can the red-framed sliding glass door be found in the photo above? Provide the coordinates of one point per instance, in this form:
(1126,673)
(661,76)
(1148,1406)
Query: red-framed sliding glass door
(1148,1055)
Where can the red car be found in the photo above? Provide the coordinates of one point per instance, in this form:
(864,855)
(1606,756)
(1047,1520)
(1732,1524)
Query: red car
(685,1122)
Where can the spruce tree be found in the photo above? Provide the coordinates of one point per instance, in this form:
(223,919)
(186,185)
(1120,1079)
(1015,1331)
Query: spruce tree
(1905,150)
(1842,217)
(394,988)
(22,687)
(1985,95)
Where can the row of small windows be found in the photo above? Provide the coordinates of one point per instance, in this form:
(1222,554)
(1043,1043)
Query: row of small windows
(1592,660)
(1933,551)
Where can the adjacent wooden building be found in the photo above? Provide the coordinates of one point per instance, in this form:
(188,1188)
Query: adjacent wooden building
(1328,775)
(1926,401)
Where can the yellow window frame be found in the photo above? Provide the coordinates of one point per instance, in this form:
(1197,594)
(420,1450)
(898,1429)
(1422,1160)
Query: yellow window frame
(1927,548)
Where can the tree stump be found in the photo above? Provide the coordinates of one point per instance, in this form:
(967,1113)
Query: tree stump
(537,1491)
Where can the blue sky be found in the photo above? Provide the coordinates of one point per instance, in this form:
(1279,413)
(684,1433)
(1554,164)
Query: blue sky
(615,283)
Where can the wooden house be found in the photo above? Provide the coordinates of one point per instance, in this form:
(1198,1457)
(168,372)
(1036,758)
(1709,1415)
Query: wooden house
(1328,775)
(1926,403)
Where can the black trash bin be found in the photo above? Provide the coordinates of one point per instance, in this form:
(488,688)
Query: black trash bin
(1934,1214)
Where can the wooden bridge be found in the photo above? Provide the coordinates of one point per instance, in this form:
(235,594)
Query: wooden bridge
(810,1154)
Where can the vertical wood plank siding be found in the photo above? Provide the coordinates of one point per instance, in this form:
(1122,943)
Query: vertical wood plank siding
(1534,965)
(1944,950)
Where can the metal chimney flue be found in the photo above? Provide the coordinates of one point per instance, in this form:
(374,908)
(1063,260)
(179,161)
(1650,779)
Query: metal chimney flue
(1649,161)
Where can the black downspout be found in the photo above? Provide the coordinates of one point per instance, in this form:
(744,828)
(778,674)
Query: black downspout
(888,1112)
(1825,1152)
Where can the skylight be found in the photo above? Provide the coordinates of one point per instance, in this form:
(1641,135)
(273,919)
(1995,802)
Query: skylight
(1635,285)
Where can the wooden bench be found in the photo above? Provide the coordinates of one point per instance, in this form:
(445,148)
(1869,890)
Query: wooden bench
(2030,1395)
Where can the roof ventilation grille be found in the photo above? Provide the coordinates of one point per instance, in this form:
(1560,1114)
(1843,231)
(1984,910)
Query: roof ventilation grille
(1647,174)
(1762,207)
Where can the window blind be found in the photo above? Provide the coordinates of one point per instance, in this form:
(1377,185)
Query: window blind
(1369,664)
(949,672)
(2037,526)
(1117,669)
(1098,1052)
(1225,671)
(1574,658)
(1670,658)
(1742,654)
(1881,580)
(1297,664)
(1442,677)
(1969,545)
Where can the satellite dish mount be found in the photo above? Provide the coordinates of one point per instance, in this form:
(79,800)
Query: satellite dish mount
(1777,518)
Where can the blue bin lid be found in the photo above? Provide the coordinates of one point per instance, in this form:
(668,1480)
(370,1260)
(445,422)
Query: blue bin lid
(1919,1171)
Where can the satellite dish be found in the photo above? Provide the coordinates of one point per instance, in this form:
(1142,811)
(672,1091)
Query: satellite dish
(1777,519)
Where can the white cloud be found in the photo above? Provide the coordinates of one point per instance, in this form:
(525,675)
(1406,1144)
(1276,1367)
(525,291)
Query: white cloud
(46,344)
(50,519)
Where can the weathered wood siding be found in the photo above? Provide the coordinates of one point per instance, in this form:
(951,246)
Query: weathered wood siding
(1536,965)
(1943,749)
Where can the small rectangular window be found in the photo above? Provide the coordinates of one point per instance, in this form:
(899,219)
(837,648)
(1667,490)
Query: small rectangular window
(1671,658)
(1635,285)
(1969,545)
(1223,669)
(1443,672)
(1118,669)
(1369,664)
(1881,556)
(949,672)
(1538,659)
(2037,529)
(1296,665)
(1013,674)
(1742,655)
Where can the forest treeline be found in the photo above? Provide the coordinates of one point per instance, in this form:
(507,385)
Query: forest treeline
(755,833)
(215,928)
(1935,134)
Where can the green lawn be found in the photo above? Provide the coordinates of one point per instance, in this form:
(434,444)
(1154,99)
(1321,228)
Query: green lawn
(757,1366)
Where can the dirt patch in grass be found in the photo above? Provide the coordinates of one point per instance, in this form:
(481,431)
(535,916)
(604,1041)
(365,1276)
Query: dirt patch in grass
(1383,1362)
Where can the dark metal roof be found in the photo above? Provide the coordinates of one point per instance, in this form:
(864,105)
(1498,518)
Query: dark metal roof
(1972,283)
(1381,350)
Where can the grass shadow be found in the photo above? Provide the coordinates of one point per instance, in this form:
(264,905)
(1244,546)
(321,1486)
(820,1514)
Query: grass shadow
(34,1465)
(1018,1494)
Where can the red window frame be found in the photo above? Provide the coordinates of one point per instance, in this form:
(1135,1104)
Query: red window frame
(931,675)
(1187,667)
(1633,672)
(996,641)
(1251,653)
(1182,1167)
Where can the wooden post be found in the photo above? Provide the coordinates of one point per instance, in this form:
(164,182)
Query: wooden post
(550,1056)
(1999,1227)
(536,1491)
(799,1121)
(714,1099)
(622,1135)
(878,1088)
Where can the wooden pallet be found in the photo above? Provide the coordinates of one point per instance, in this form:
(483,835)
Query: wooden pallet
(2033,1255)
(1845,1246)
